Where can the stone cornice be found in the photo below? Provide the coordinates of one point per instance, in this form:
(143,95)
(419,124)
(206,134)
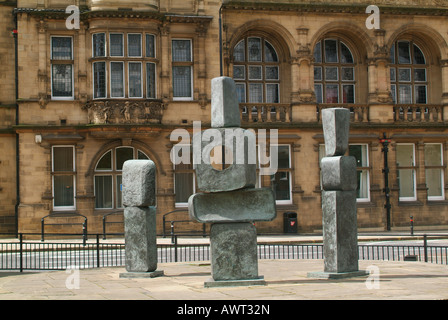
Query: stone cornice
(329,8)
(85,15)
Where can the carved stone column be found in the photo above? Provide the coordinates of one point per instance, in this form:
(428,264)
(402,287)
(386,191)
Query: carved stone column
(165,66)
(42,73)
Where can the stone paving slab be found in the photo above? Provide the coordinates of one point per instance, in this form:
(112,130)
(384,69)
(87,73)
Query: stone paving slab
(285,280)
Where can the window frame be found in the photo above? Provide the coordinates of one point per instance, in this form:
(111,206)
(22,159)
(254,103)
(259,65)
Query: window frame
(63,173)
(323,83)
(126,60)
(141,80)
(188,171)
(147,78)
(414,172)
(122,48)
(154,44)
(123,80)
(396,65)
(127,44)
(105,45)
(114,172)
(288,170)
(189,64)
(106,93)
(62,62)
(440,167)
(361,169)
(262,64)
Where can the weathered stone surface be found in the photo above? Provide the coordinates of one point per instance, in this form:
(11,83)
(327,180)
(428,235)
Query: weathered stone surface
(138,182)
(225,107)
(140,239)
(336,124)
(241,161)
(233,251)
(340,231)
(339,173)
(233,206)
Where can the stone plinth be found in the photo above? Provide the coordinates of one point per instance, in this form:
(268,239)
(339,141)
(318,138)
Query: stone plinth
(234,255)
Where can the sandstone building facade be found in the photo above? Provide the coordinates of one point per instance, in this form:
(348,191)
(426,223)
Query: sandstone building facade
(76,103)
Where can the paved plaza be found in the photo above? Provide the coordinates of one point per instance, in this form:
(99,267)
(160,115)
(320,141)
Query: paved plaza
(285,280)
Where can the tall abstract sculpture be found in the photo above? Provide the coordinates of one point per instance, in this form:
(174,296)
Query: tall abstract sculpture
(339,183)
(139,201)
(229,200)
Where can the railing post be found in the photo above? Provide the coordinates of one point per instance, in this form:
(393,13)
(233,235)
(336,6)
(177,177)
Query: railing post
(84,233)
(425,247)
(42,229)
(21,251)
(98,250)
(175,248)
(172,231)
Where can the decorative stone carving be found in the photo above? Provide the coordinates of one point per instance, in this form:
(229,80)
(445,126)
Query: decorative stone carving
(124,111)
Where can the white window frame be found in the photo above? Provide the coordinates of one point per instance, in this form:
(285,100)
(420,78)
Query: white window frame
(368,171)
(442,175)
(155,45)
(105,79)
(110,42)
(174,149)
(112,190)
(141,45)
(110,80)
(289,172)
(155,80)
(72,97)
(179,64)
(141,80)
(105,45)
(414,198)
(64,208)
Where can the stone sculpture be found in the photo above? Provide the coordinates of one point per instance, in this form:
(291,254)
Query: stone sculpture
(139,201)
(339,183)
(229,200)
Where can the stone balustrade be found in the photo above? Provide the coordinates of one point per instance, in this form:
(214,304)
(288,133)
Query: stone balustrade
(265,112)
(358,112)
(418,113)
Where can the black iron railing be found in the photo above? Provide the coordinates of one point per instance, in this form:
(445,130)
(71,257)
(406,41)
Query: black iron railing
(20,254)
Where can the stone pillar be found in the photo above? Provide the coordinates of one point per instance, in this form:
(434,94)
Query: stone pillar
(140,219)
(339,182)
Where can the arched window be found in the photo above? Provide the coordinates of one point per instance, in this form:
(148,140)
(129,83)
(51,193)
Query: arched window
(108,173)
(334,72)
(256,71)
(408,74)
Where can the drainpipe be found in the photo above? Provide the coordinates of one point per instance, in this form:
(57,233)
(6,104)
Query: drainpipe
(220,42)
(16,75)
(385,142)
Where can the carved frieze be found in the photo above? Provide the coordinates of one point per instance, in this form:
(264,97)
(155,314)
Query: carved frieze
(124,111)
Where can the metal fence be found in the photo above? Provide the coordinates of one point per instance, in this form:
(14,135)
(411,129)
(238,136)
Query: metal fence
(51,255)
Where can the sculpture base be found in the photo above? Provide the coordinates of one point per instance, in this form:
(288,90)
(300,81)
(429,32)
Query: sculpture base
(235,283)
(337,275)
(151,274)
